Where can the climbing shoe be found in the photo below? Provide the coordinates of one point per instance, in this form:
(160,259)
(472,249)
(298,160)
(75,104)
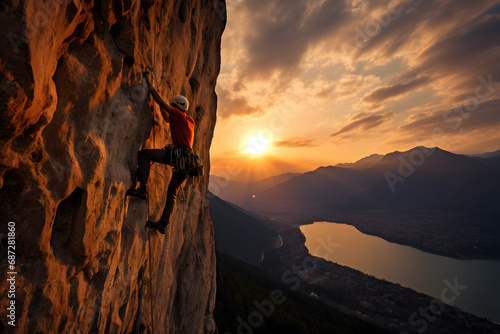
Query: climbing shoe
(139,193)
(159,226)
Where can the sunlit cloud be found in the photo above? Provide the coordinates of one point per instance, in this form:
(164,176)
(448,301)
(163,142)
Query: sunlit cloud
(362,122)
(282,31)
(456,61)
(235,106)
(457,120)
(348,85)
(360,70)
(383,93)
(295,143)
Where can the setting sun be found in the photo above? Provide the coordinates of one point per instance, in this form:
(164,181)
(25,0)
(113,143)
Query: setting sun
(257,144)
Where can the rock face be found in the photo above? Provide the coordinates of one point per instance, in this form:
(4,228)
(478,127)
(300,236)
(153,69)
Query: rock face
(74,113)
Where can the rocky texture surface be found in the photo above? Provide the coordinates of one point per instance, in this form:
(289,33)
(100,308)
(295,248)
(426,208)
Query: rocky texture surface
(74,113)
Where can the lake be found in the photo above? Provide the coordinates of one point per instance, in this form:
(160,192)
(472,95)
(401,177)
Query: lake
(410,267)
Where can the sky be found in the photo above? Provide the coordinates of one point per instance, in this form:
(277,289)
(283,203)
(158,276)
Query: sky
(321,82)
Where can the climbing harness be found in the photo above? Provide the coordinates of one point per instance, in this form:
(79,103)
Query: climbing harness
(185,161)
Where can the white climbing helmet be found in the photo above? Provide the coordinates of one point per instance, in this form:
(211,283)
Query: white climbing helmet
(180,102)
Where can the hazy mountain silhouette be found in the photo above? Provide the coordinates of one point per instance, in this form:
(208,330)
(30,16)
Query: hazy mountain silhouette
(421,178)
(238,192)
(443,181)
(491,159)
(239,233)
(486,155)
(325,185)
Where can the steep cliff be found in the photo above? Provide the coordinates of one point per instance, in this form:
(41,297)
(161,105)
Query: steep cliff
(74,113)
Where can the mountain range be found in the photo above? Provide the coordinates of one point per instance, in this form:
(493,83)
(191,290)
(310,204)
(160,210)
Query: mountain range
(401,196)
(236,191)
(491,159)
(419,178)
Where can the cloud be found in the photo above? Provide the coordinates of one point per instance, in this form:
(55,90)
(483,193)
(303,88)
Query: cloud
(455,129)
(423,59)
(383,93)
(362,122)
(458,58)
(235,106)
(295,143)
(281,32)
(415,25)
(455,120)
(278,35)
(347,85)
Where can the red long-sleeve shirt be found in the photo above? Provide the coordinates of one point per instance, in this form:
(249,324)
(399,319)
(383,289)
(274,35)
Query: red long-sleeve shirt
(181,128)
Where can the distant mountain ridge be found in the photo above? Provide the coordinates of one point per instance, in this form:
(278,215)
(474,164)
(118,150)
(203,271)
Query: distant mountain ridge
(363,163)
(490,159)
(421,177)
(428,198)
(486,155)
(236,192)
(425,197)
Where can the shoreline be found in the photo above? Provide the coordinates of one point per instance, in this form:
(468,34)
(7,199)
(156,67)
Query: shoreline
(448,255)
(393,275)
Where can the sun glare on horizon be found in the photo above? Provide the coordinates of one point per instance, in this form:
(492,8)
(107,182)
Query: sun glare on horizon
(257,144)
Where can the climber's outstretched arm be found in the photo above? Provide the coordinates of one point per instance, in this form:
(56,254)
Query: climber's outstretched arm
(166,118)
(158,99)
(165,108)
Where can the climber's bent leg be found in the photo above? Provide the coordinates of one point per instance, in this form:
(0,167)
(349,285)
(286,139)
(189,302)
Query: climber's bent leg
(159,226)
(145,158)
(142,175)
(173,187)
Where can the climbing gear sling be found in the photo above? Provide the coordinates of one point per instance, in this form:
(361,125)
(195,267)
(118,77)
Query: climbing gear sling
(185,161)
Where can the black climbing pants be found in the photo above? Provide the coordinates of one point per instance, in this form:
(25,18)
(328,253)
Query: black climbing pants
(163,157)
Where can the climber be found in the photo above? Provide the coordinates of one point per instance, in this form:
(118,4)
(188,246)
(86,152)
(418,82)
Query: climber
(182,131)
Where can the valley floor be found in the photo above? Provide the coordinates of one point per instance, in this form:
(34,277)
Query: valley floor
(350,291)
